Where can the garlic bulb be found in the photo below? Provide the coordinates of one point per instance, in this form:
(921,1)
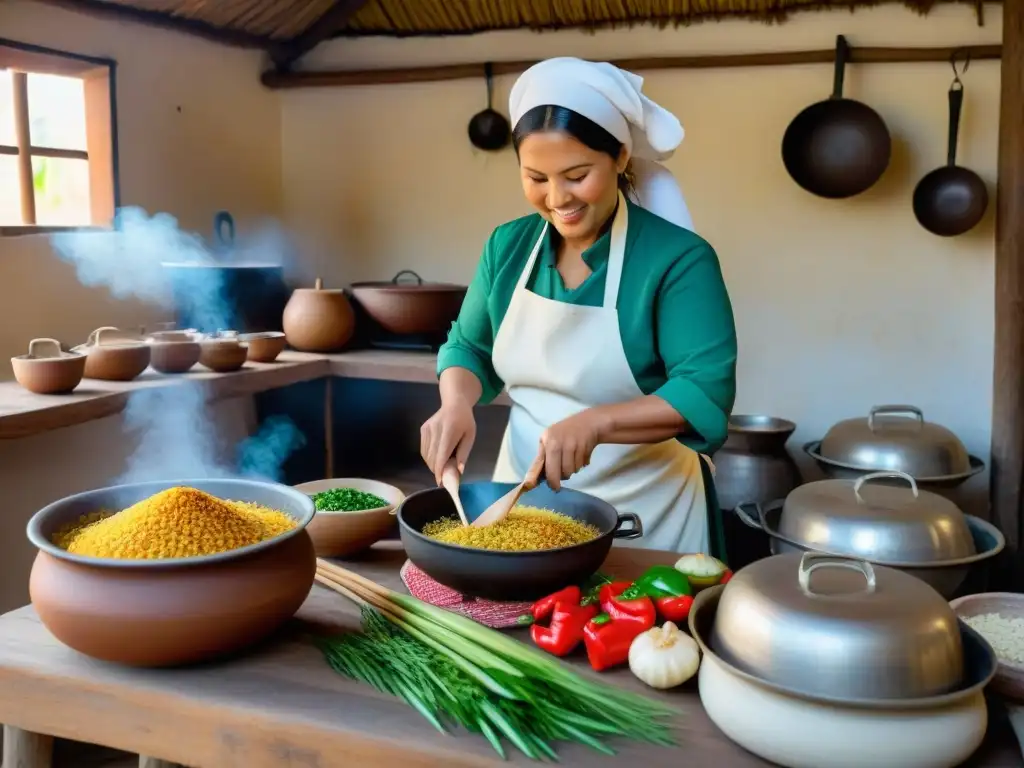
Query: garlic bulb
(664,657)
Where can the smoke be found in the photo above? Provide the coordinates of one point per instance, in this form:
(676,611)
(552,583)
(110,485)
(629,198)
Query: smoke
(176,437)
(141,258)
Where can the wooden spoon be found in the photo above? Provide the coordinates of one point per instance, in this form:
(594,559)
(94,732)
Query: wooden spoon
(450,479)
(499,510)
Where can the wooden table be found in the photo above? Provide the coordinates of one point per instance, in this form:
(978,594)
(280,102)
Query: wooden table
(279,706)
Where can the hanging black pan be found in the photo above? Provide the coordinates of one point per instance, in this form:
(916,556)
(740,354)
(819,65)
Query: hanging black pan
(838,147)
(951,200)
(489,129)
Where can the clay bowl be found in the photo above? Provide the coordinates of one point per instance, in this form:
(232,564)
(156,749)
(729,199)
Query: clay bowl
(1009,679)
(158,613)
(223,355)
(47,370)
(114,355)
(173,351)
(266,346)
(340,534)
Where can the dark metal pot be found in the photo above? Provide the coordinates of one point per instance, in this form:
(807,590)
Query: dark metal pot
(510,575)
(227,294)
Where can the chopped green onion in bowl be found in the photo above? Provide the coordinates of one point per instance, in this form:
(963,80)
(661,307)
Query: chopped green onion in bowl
(347,500)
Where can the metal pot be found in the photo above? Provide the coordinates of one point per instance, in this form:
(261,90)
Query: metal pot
(227,292)
(839,629)
(510,575)
(753,465)
(895,438)
(411,307)
(915,531)
(799,731)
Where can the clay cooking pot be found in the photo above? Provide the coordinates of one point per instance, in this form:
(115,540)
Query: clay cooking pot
(318,319)
(411,307)
(158,613)
(114,355)
(47,370)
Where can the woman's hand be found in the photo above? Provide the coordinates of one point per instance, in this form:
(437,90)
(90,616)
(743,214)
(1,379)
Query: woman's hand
(565,448)
(450,431)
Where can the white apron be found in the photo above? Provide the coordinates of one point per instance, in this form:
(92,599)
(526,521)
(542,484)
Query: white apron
(558,359)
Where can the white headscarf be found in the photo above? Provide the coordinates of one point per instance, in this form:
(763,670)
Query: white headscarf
(613,98)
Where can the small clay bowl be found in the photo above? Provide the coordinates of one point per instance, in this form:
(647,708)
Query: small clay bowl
(339,534)
(114,355)
(158,613)
(1009,679)
(264,347)
(223,355)
(48,370)
(173,351)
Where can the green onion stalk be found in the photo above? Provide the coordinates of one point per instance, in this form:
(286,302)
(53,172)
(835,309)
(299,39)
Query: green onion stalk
(455,671)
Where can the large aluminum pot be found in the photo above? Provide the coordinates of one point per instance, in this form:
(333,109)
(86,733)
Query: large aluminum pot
(905,527)
(895,438)
(839,629)
(801,731)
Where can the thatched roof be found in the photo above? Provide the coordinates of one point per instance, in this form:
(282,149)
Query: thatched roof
(295,26)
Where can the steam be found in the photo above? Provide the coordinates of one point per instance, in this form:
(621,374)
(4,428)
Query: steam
(174,430)
(136,259)
(177,437)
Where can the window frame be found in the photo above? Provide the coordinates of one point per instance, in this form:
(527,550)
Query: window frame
(100,75)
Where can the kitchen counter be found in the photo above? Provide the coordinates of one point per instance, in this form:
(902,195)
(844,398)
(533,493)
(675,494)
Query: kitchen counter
(279,704)
(23,413)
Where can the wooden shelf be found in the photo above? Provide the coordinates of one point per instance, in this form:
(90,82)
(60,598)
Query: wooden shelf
(23,413)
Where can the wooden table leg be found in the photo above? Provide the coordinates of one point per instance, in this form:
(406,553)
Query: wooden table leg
(24,749)
(153,762)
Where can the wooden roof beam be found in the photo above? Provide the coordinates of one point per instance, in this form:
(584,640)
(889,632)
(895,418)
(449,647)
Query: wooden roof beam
(437,73)
(284,55)
(166,21)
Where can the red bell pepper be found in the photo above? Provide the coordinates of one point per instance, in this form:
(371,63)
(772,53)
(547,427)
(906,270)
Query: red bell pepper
(725,577)
(569,614)
(608,636)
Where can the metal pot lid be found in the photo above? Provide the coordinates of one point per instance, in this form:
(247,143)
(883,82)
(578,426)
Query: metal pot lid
(896,438)
(839,628)
(876,521)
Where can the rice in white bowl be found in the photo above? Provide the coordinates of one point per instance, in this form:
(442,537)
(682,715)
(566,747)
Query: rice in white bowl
(1004,634)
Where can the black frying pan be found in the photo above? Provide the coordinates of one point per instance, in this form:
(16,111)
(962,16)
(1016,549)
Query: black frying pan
(838,147)
(951,200)
(489,129)
(510,575)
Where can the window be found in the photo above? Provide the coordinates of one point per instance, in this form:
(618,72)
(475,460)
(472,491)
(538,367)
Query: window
(58,153)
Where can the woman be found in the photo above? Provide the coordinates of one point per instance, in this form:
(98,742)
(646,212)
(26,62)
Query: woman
(608,324)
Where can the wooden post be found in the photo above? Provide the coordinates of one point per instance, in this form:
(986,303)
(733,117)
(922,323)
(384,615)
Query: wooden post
(24,749)
(1007,465)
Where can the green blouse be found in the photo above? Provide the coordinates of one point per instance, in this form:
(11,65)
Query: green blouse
(674,312)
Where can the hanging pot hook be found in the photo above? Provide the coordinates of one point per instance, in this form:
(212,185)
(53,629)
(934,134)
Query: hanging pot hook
(953,61)
(489,78)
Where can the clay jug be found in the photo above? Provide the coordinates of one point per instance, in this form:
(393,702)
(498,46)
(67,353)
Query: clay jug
(318,319)
(753,465)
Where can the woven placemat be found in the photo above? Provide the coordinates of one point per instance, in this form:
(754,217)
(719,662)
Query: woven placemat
(491,613)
